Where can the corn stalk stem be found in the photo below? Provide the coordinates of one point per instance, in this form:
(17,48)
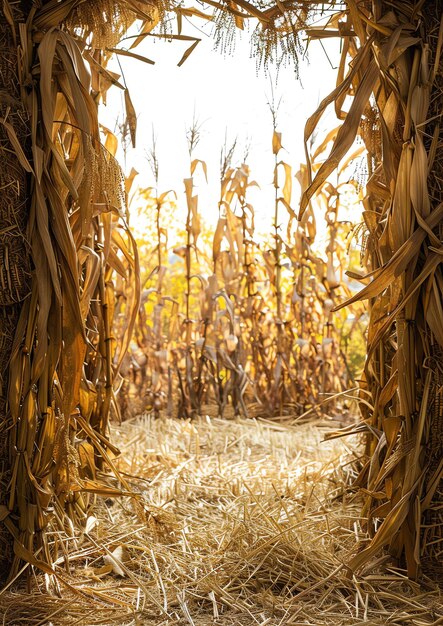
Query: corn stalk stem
(106,347)
(14,263)
(277,257)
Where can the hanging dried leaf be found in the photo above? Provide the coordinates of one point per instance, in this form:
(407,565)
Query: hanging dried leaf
(131,117)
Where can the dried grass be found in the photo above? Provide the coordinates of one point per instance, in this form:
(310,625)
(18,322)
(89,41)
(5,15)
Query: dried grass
(237,522)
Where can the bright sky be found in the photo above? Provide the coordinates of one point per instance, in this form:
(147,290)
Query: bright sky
(229,98)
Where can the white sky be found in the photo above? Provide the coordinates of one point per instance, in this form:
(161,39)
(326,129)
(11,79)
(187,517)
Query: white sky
(229,97)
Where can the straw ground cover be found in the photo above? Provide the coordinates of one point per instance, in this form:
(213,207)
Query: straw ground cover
(236,522)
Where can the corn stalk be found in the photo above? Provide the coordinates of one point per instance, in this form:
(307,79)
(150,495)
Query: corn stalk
(65,239)
(395,79)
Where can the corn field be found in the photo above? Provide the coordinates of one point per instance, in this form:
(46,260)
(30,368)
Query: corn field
(249,327)
(258,328)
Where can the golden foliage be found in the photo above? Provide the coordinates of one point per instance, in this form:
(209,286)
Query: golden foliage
(248,327)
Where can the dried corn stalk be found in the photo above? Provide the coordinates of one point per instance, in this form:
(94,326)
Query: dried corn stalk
(395,81)
(64,239)
(241,335)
